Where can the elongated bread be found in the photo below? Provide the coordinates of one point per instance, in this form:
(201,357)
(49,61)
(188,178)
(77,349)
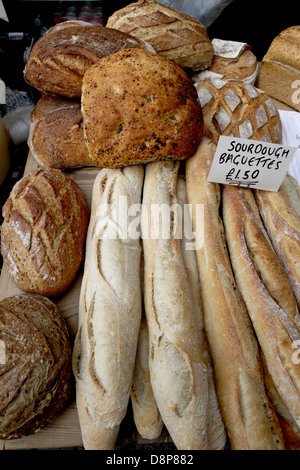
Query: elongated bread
(248,415)
(145,412)
(177,370)
(267,292)
(280,212)
(216,433)
(109,309)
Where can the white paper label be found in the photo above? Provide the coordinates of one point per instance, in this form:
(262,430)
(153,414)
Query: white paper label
(250,163)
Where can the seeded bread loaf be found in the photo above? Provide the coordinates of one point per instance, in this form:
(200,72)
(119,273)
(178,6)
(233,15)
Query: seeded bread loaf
(139,107)
(35,372)
(173,34)
(59,58)
(238,109)
(56,136)
(43,232)
(280,70)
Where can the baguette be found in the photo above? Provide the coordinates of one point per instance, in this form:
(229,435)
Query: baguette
(249,417)
(280,212)
(267,293)
(216,433)
(177,370)
(109,309)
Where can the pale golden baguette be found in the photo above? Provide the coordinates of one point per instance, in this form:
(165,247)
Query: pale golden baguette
(249,417)
(267,292)
(177,369)
(109,308)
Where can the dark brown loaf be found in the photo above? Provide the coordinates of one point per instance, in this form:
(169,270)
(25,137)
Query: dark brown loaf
(43,233)
(35,375)
(237,109)
(173,34)
(59,58)
(139,107)
(248,415)
(56,137)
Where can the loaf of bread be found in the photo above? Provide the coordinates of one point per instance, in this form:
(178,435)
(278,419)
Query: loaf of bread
(35,367)
(109,307)
(267,293)
(43,232)
(56,136)
(232,60)
(216,433)
(59,58)
(233,108)
(280,212)
(173,34)
(249,417)
(145,412)
(139,107)
(178,371)
(280,70)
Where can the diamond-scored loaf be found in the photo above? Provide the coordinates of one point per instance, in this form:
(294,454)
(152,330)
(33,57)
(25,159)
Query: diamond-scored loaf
(237,109)
(171,33)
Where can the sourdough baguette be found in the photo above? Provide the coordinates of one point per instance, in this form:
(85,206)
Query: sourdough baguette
(145,412)
(280,212)
(249,417)
(267,292)
(109,309)
(216,433)
(177,370)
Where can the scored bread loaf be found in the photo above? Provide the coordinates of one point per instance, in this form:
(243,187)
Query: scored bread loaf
(216,433)
(138,107)
(232,60)
(238,109)
(56,136)
(177,370)
(173,34)
(109,307)
(280,212)
(59,58)
(267,293)
(43,231)
(249,417)
(35,368)
(279,73)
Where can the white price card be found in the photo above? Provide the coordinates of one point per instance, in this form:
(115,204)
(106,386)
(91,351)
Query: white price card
(250,163)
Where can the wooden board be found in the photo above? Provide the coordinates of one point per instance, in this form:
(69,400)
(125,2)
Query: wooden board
(64,431)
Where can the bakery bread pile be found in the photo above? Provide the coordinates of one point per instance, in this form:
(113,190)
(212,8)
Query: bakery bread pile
(190,316)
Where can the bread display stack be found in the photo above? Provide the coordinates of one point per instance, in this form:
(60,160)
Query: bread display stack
(187,330)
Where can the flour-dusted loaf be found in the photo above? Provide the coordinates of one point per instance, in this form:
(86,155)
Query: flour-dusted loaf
(56,136)
(266,290)
(43,232)
(173,34)
(178,371)
(59,58)
(232,60)
(280,212)
(238,109)
(249,417)
(280,68)
(35,367)
(109,307)
(139,107)
(216,433)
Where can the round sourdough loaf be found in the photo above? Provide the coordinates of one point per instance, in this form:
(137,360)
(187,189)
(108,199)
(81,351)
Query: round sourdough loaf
(56,137)
(43,233)
(238,109)
(35,367)
(60,57)
(139,107)
(173,34)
